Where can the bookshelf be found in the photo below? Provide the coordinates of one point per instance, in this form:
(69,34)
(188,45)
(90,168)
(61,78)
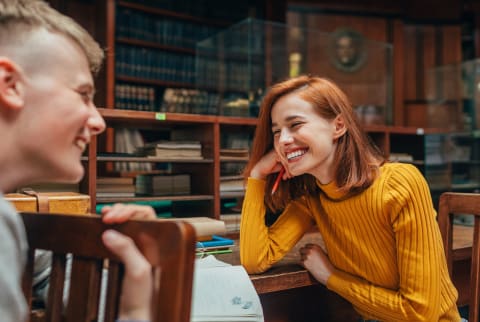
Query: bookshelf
(221,128)
(205,198)
(450,161)
(150,86)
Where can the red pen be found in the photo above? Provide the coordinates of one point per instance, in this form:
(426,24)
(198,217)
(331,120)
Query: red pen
(277,181)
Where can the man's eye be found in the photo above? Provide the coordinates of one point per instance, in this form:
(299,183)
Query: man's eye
(86,96)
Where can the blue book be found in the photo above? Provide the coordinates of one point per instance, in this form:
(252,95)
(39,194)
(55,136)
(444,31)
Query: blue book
(216,241)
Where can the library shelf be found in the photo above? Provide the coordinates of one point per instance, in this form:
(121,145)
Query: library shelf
(155,198)
(173,14)
(156,45)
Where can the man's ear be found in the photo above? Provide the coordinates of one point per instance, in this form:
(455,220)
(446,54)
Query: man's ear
(339,127)
(11,93)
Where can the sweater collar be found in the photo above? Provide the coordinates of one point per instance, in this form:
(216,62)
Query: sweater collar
(331,190)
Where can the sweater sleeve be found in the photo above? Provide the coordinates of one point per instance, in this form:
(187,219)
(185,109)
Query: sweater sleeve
(262,246)
(420,257)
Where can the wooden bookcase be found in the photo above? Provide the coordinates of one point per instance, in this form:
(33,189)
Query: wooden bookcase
(206,198)
(450,161)
(169,33)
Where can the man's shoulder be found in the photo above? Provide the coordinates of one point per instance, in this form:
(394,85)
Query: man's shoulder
(12,229)
(8,214)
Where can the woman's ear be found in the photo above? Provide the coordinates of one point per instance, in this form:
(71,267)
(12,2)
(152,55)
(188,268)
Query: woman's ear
(339,127)
(11,94)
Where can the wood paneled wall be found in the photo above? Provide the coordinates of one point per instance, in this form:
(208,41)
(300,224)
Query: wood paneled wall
(431,98)
(424,34)
(370,84)
(422,39)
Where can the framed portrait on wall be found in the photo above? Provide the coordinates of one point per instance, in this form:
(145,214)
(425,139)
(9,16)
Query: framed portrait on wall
(347,49)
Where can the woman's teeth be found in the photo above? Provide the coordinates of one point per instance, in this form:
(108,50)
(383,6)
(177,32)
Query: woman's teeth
(295,154)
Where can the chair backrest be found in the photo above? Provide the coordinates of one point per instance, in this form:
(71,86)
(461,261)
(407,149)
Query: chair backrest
(169,246)
(451,204)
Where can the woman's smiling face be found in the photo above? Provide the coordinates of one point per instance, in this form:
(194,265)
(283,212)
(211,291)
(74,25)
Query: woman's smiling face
(304,141)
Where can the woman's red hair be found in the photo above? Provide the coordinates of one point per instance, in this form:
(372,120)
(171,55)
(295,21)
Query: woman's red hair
(356,160)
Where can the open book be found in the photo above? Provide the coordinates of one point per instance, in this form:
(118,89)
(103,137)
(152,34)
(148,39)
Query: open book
(222,292)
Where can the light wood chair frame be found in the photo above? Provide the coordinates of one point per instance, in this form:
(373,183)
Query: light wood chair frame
(455,203)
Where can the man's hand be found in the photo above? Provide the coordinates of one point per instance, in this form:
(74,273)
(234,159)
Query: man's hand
(136,296)
(119,213)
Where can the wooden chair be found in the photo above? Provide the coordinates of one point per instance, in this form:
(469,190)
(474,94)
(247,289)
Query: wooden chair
(452,203)
(169,246)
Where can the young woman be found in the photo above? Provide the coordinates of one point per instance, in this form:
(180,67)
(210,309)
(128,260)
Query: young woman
(384,251)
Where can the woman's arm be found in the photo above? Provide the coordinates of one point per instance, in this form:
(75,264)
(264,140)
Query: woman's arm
(421,263)
(262,246)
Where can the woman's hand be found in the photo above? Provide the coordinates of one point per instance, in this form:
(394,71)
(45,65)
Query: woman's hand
(314,259)
(119,213)
(269,163)
(135,301)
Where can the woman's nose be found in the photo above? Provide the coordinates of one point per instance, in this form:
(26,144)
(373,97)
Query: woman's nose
(285,137)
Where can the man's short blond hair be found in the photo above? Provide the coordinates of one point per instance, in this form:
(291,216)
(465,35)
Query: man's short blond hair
(18,18)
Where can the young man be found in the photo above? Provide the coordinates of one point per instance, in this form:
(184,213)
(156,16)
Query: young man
(47,118)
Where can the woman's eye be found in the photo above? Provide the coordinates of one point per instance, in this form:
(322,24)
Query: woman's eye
(276,133)
(296,124)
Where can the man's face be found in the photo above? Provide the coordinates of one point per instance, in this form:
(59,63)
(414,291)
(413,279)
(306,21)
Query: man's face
(346,50)
(59,117)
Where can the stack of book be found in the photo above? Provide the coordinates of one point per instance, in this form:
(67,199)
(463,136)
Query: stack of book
(234,153)
(400,157)
(208,231)
(215,245)
(205,227)
(231,184)
(127,142)
(232,222)
(115,187)
(190,150)
(162,185)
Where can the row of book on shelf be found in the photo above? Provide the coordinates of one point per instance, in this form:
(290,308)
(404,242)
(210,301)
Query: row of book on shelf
(160,185)
(229,75)
(144,184)
(210,10)
(141,26)
(154,64)
(130,143)
(175,100)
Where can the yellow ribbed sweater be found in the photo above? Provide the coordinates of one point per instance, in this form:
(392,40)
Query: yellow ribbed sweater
(384,242)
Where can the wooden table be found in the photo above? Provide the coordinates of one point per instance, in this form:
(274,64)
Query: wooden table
(289,293)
